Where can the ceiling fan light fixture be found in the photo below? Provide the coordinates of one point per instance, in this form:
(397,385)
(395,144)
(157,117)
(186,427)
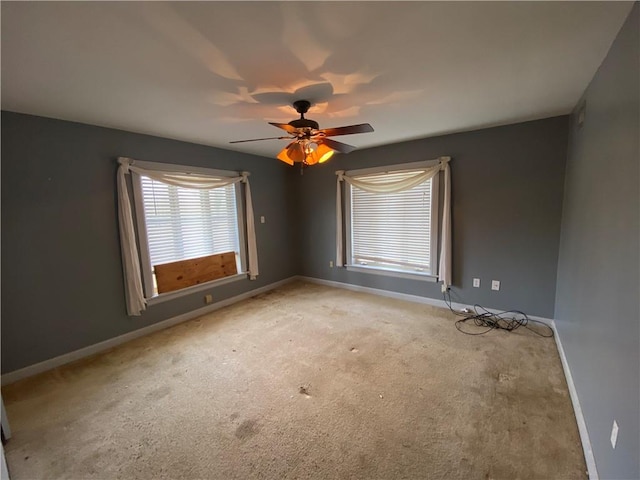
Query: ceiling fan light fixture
(323,153)
(284,157)
(316,153)
(311,144)
(296,152)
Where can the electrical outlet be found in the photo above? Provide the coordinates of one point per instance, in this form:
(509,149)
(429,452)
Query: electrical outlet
(208,298)
(581,114)
(262,220)
(330,263)
(614,434)
(476,282)
(495,284)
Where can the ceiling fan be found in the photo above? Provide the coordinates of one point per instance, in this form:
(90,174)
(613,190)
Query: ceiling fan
(311,144)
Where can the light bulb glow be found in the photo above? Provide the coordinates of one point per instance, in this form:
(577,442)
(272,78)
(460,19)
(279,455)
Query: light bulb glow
(324,153)
(305,151)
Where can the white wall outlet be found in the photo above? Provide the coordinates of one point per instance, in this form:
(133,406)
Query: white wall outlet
(614,434)
(582,114)
(262,220)
(208,298)
(495,284)
(331,263)
(476,282)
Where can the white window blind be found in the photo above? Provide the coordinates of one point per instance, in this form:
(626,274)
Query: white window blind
(392,230)
(185,223)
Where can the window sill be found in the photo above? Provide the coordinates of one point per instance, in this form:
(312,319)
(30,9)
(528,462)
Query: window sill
(392,273)
(163,297)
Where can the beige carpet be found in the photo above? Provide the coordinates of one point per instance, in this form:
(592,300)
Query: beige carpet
(303,382)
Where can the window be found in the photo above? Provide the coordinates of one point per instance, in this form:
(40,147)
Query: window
(393,233)
(184,223)
(177,223)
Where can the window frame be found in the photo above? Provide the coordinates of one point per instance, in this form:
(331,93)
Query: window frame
(142,232)
(432,275)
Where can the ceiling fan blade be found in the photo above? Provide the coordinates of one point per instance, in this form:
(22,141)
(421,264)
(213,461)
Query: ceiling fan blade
(259,139)
(350,130)
(338,146)
(285,126)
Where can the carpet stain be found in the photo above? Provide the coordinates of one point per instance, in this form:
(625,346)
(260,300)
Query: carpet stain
(304,390)
(158,393)
(247,429)
(111,405)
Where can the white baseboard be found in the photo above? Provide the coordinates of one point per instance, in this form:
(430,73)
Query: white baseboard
(112,342)
(403,296)
(582,426)
(383,293)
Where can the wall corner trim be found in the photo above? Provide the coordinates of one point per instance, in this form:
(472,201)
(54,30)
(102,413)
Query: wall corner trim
(582,426)
(58,361)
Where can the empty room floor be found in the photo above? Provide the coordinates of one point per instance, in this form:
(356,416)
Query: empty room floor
(305,381)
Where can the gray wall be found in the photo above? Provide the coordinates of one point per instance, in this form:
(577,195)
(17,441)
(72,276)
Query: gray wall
(597,310)
(62,286)
(61,270)
(506,207)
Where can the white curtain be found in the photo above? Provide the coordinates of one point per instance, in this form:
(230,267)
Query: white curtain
(136,303)
(444,273)
(134,294)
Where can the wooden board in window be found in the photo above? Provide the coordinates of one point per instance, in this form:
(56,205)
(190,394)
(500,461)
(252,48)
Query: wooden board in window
(186,273)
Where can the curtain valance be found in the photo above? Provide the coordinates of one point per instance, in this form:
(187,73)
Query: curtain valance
(444,271)
(186,180)
(136,302)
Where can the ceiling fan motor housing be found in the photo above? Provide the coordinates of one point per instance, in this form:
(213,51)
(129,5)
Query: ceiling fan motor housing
(304,123)
(302,107)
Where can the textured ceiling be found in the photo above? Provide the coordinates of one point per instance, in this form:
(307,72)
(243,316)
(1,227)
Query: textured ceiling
(212,72)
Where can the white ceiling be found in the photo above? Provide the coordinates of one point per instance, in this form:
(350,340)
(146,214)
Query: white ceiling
(212,72)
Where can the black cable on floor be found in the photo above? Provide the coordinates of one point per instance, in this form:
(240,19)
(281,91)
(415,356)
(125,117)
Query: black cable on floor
(508,320)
